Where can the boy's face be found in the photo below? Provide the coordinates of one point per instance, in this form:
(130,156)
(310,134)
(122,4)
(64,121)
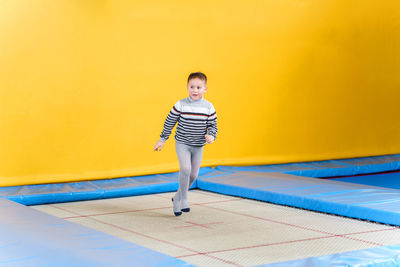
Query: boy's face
(196,88)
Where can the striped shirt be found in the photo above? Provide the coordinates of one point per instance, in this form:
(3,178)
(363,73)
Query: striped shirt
(195,119)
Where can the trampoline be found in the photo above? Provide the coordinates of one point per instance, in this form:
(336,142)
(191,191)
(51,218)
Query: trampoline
(234,221)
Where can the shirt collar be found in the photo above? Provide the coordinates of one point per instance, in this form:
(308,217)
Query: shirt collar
(190,100)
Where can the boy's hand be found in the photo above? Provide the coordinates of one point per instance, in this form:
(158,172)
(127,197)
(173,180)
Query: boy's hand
(158,146)
(209,138)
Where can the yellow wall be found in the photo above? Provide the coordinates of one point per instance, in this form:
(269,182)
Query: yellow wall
(86,85)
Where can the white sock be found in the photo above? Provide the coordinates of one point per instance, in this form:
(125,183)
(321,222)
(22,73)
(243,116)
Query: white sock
(177,202)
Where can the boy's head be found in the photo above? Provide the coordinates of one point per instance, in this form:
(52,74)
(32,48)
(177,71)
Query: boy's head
(197,85)
(198,75)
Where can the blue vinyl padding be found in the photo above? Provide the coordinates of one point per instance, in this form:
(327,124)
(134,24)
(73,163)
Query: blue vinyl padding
(31,238)
(347,199)
(79,191)
(388,180)
(120,187)
(328,168)
(388,256)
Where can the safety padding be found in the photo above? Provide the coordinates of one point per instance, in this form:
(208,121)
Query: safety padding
(327,168)
(388,256)
(387,180)
(32,238)
(347,199)
(130,186)
(79,191)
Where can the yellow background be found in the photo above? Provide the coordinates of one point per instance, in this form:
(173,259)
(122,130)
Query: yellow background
(85,85)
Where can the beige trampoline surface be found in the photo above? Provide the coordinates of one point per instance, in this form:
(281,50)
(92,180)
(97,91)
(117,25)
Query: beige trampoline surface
(222,230)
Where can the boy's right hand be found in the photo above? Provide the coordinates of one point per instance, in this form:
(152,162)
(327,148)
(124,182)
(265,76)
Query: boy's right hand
(209,138)
(158,146)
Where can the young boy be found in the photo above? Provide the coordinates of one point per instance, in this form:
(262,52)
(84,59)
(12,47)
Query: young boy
(197,125)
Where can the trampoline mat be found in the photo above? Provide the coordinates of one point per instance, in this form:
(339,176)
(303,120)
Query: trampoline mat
(225,230)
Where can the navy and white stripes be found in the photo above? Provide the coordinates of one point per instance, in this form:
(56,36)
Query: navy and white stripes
(195,119)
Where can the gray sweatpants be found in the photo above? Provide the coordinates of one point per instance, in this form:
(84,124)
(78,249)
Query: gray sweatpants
(189,162)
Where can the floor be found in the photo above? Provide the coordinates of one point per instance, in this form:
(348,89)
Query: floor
(223,230)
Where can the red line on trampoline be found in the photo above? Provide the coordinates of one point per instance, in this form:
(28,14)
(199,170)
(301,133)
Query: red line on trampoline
(373,231)
(204,225)
(297,226)
(208,202)
(153,238)
(148,209)
(283,243)
(216,201)
(258,246)
(111,213)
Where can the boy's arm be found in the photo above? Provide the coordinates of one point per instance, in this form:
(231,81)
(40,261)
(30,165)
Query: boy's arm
(170,122)
(212,128)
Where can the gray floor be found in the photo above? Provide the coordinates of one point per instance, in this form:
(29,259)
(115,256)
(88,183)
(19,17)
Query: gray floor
(225,231)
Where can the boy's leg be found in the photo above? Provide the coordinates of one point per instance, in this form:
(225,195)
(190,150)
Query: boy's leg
(184,157)
(197,156)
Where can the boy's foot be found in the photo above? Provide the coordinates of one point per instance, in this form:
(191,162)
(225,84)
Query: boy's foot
(185,206)
(177,208)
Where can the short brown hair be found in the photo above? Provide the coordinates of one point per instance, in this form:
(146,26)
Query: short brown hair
(198,75)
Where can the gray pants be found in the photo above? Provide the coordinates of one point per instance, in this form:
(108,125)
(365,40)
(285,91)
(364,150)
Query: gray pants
(189,162)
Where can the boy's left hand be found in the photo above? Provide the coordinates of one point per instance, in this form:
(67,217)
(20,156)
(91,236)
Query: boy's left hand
(209,138)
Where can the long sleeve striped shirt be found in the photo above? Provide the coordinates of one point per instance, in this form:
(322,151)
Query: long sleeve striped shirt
(195,119)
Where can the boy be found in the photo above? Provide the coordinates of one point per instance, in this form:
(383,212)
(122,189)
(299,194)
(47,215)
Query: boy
(197,125)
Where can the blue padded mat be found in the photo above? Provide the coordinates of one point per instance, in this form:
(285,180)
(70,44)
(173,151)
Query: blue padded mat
(388,180)
(327,168)
(99,189)
(130,186)
(388,256)
(31,238)
(347,199)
